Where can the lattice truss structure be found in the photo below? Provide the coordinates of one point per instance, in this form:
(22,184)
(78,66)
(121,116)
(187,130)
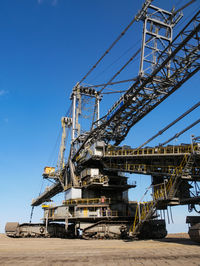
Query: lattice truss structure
(157,36)
(179,61)
(166,63)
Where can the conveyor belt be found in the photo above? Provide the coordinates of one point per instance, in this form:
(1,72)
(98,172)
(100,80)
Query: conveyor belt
(47,194)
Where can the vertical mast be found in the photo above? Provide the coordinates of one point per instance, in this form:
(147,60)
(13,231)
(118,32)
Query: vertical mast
(157,35)
(73,114)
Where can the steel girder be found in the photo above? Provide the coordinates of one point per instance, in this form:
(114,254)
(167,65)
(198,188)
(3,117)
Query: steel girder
(48,194)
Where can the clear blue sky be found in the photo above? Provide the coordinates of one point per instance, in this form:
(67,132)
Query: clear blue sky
(46,47)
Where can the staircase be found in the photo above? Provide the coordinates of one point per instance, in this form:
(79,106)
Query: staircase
(164,191)
(174,181)
(143,213)
(188,167)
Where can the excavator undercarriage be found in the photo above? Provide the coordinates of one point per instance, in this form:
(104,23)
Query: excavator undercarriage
(104,229)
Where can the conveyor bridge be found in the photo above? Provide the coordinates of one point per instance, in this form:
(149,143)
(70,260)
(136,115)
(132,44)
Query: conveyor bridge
(153,161)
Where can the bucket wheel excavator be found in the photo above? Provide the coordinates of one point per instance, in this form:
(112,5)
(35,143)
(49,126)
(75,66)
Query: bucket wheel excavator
(94,176)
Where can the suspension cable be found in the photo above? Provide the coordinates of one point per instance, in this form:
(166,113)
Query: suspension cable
(183,7)
(181,132)
(111,92)
(171,124)
(121,69)
(116,60)
(108,50)
(112,83)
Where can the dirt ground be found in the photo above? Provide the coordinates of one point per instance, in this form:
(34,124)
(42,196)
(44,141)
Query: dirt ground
(176,249)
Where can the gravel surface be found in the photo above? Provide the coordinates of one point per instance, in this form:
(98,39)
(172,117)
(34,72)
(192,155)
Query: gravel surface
(176,249)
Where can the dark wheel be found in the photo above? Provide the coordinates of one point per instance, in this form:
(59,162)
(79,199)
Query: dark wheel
(42,230)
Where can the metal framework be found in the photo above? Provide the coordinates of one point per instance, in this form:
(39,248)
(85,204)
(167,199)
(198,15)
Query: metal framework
(146,93)
(165,65)
(157,36)
(96,188)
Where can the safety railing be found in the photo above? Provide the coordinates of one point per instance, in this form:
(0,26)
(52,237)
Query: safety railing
(148,169)
(177,171)
(159,191)
(142,211)
(182,149)
(96,180)
(109,213)
(87,201)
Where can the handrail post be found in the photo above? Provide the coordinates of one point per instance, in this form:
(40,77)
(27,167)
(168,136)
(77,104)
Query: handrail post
(165,190)
(139,214)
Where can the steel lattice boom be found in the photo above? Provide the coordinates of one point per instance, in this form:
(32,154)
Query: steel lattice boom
(147,93)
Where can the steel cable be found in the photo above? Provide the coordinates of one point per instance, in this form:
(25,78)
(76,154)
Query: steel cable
(171,124)
(108,50)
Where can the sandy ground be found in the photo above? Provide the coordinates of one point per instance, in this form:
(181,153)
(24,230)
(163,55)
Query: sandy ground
(176,249)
